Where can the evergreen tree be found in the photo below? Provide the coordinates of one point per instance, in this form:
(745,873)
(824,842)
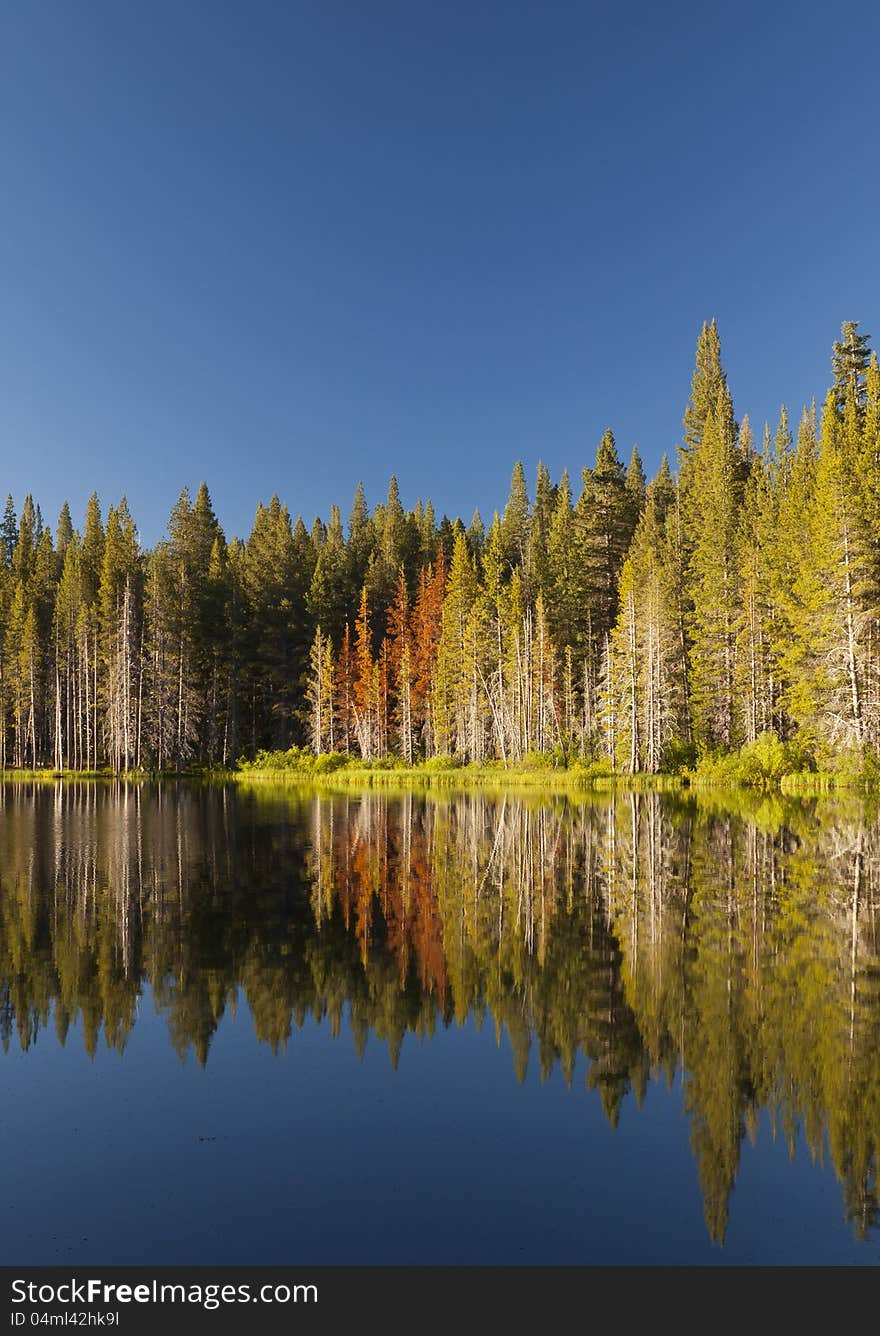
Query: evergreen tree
(516,522)
(709,381)
(320,695)
(563,604)
(476,534)
(427,622)
(119,598)
(835,591)
(454,678)
(63,532)
(757,683)
(366,683)
(92,550)
(539,536)
(714,581)
(328,600)
(791,645)
(849,363)
(401,667)
(636,484)
(8,532)
(645,703)
(358,542)
(26,543)
(605,520)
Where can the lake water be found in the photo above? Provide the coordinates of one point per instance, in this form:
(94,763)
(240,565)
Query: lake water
(244,1026)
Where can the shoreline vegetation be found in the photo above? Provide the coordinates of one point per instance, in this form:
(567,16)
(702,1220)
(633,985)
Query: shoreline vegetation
(716,626)
(760,768)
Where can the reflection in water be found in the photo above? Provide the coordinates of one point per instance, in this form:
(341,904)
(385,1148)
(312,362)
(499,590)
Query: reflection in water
(652,935)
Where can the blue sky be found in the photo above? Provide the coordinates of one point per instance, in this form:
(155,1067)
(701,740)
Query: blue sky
(286,246)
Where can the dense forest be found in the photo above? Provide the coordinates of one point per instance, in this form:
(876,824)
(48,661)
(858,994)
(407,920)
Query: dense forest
(638,624)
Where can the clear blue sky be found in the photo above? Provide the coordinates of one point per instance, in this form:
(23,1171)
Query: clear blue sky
(285,246)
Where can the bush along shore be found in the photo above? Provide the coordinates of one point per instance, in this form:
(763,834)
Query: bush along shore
(766,765)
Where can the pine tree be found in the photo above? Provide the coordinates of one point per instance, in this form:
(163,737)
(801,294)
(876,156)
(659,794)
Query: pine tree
(453,682)
(713,581)
(69,749)
(8,532)
(219,616)
(63,532)
(320,695)
(275,636)
(427,623)
(394,547)
(644,709)
(835,590)
(791,646)
(539,535)
(358,547)
(606,520)
(328,599)
(476,534)
(186,570)
(849,363)
(344,693)
(163,706)
(636,484)
(26,543)
(365,693)
(14,679)
(120,640)
(709,380)
(872,406)
(29,670)
(92,550)
(563,610)
(757,684)
(516,522)
(401,667)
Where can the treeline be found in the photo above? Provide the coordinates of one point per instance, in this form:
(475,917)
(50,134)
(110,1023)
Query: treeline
(646,623)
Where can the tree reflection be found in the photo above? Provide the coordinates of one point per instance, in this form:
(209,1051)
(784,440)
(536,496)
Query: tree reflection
(733,947)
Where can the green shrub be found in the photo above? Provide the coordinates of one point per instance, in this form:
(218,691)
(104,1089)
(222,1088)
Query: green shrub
(328,762)
(388,763)
(761,764)
(871,771)
(678,757)
(535,760)
(445,762)
(855,768)
(587,772)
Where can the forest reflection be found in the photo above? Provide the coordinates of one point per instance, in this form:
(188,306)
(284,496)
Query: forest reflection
(736,948)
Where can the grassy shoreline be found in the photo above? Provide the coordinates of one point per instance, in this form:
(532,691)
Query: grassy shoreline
(461,777)
(576,779)
(359,776)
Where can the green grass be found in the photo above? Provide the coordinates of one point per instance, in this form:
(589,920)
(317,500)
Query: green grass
(766,765)
(298,766)
(48,773)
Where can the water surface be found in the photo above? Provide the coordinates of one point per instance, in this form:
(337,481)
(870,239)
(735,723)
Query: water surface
(263,1026)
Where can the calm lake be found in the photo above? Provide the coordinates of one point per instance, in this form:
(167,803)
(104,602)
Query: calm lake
(269,1026)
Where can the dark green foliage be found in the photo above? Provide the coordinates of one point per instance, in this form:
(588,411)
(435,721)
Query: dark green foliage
(8,532)
(849,364)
